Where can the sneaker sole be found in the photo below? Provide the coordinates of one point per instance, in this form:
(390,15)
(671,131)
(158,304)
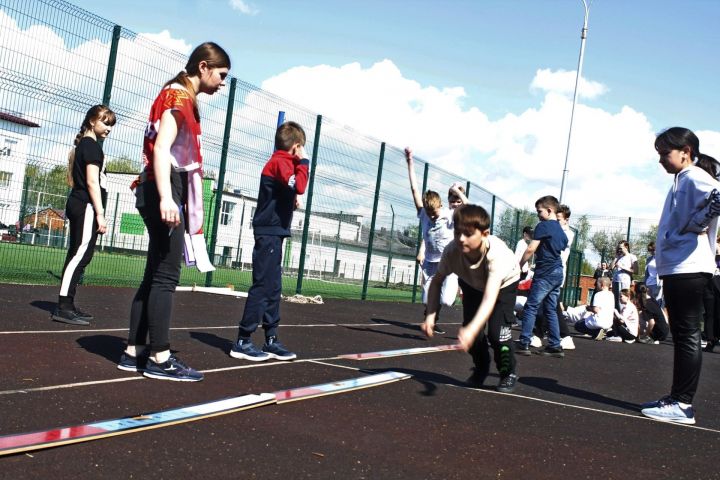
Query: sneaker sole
(76,321)
(684,421)
(278,357)
(242,356)
(554,355)
(160,376)
(524,353)
(129,369)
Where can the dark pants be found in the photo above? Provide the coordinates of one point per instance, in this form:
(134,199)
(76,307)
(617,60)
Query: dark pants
(621,330)
(151,308)
(582,327)
(542,327)
(711,301)
(83,236)
(498,329)
(684,301)
(263,302)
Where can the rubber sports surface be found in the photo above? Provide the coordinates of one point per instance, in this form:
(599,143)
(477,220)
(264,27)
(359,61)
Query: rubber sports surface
(575,417)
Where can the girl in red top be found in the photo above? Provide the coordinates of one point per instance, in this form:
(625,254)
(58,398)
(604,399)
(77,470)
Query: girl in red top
(169,199)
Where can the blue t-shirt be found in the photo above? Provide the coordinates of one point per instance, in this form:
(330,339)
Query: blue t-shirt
(552,242)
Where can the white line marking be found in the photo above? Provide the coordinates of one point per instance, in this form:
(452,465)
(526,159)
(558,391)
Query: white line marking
(100,330)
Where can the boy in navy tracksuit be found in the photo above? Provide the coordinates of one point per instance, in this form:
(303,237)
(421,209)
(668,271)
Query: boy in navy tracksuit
(284,177)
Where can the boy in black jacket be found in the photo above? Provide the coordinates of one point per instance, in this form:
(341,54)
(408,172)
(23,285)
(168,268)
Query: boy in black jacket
(284,177)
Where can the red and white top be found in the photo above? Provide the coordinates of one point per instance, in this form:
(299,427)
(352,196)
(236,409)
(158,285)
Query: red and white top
(185,152)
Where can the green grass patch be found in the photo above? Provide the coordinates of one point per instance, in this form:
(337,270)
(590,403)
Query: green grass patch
(40,265)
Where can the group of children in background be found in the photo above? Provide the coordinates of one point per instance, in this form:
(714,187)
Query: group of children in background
(457,252)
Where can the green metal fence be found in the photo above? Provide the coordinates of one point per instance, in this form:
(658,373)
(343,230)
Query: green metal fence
(355,236)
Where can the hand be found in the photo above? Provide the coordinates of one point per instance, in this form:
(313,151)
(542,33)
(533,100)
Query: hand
(297,203)
(300,152)
(169,213)
(427,328)
(408,155)
(420,258)
(466,337)
(102,223)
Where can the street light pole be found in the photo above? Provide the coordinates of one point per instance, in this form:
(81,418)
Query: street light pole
(583,37)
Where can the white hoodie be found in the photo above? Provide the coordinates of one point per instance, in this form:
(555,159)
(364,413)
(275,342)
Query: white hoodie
(688,224)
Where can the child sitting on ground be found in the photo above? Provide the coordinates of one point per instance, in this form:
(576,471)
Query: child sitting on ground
(596,319)
(626,321)
(653,324)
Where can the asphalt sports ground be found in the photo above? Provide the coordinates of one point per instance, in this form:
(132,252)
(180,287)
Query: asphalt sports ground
(569,418)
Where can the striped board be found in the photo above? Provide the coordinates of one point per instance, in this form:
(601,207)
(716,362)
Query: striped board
(303,393)
(26,442)
(400,353)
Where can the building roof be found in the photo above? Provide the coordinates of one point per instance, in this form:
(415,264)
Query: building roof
(15,119)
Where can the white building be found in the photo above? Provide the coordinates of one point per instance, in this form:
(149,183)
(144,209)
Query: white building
(14,132)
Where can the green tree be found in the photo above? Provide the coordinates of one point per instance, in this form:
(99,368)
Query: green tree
(604,244)
(122,164)
(512,221)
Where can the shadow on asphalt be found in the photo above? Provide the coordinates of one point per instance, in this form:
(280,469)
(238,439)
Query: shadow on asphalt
(552,385)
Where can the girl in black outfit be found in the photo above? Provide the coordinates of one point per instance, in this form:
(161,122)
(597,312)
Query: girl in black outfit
(85,208)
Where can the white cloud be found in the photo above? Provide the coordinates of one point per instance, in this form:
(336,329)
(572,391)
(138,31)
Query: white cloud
(563,82)
(165,39)
(243,7)
(612,165)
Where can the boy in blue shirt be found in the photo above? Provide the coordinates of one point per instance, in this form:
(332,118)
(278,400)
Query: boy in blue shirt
(549,240)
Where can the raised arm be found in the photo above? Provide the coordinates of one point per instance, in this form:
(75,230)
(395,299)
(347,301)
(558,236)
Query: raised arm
(417,197)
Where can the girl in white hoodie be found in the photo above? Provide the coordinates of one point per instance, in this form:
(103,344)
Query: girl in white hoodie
(685,257)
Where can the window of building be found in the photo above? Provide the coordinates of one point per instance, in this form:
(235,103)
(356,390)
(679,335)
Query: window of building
(5,179)
(226,213)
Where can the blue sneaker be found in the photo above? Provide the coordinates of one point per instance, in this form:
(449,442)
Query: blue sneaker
(277,350)
(246,350)
(133,364)
(173,369)
(657,403)
(671,411)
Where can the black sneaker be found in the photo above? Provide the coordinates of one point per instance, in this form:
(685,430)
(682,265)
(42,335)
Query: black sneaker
(477,378)
(83,315)
(246,350)
(133,364)
(277,350)
(68,316)
(552,352)
(522,348)
(173,369)
(507,383)
(438,330)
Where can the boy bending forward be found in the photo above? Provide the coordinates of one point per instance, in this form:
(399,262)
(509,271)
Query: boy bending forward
(488,274)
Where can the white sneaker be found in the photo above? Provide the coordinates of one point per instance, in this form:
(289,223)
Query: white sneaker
(613,339)
(632,340)
(535,342)
(567,343)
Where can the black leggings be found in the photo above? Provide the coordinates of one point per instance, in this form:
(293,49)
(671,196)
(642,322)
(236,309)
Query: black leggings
(152,306)
(684,301)
(711,301)
(498,329)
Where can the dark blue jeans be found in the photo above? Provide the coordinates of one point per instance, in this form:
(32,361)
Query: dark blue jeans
(544,294)
(263,302)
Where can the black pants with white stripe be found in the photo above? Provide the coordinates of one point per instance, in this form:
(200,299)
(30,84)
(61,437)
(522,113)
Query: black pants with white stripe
(83,236)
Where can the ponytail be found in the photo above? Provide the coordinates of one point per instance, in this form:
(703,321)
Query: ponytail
(709,164)
(71,157)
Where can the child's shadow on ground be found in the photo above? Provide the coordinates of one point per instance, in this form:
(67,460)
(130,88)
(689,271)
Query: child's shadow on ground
(552,385)
(43,305)
(106,346)
(429,380)
(213,340)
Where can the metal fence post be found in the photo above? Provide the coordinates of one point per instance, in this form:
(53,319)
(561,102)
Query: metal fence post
(221,177)
(390,246)
(308,205)
(419,237)
(371,237)
(516,233)
(115,214)
(337,244)
(628,229)
(467,189)
(492,216)
(112,60)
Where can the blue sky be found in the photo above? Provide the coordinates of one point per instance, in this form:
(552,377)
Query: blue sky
(482,87)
